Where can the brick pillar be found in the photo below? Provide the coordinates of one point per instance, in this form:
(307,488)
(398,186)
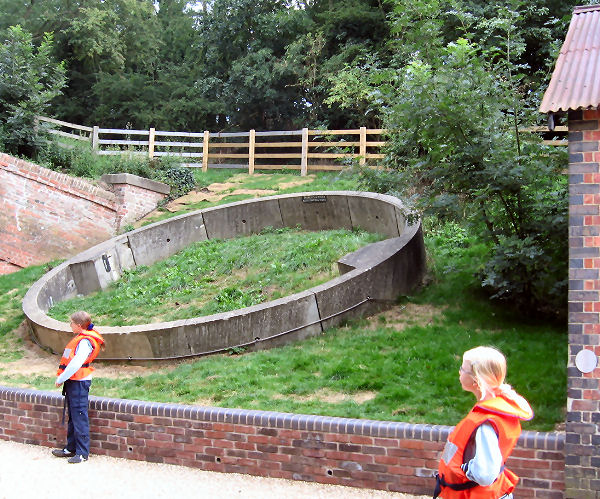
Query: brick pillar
(582,444)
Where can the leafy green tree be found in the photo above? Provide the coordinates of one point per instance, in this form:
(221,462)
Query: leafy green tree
(455,107)
(347,40)
(29,80)
(243,64)
(116,46)
(417,29)
(456,146)
(242,45)
(362,88)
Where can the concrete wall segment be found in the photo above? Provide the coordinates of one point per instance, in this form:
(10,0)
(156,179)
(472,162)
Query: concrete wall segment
(411,262)
(349,293)
(381,275)
(367,212)
(242,218)
(316,211)
(160,240)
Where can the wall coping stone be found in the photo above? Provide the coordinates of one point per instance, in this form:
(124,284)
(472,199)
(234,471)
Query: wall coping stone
(128,178)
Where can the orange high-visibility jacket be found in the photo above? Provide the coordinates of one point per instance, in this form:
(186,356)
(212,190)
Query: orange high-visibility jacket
(85,370)
(505,416)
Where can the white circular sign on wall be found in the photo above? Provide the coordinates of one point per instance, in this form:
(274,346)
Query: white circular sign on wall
(586,361)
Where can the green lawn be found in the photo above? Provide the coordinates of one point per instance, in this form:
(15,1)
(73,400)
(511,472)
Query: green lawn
(401,365)
(215,276)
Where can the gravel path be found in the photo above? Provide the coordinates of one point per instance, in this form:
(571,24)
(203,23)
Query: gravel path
(30,471)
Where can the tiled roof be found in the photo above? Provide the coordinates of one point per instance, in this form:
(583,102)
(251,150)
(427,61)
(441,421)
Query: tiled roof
(575,83)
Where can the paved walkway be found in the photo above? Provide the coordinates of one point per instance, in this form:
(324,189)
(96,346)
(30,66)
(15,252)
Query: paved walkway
(31,472)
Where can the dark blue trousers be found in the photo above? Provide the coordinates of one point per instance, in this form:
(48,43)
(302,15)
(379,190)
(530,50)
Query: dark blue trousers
(78,433)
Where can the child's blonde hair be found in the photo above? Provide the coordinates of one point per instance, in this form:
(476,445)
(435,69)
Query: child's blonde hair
(488,367)
(81,318)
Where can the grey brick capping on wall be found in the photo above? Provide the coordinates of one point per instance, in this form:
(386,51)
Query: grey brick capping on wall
(371,276)
(384,455)
(128,178)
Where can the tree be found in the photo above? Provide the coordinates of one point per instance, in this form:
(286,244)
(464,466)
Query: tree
(239,64)
(242,45)
(29,80)
(458,150)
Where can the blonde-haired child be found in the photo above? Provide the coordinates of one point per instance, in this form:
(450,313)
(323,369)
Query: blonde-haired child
(472,464)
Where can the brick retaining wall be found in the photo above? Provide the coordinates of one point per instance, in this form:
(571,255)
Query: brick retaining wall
(359,453)
(47,215)
(583,389)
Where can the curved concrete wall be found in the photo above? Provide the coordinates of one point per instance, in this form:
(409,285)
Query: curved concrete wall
(373,274)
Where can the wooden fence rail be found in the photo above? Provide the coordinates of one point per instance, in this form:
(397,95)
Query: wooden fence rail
(305,150)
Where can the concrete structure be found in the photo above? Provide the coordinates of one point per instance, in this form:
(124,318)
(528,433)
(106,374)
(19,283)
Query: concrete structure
(575,90)
(47,215)
(374,274)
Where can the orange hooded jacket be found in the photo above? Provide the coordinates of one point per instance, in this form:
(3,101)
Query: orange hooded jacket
(505,415)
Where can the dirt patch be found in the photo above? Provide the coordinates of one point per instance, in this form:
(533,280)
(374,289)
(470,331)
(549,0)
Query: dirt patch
(330,397)
(206,194)
(219,190)
(295,183)
(39,362)
(402,316)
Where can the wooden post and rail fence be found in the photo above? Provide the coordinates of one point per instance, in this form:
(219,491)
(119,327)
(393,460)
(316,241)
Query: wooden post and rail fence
(305,150)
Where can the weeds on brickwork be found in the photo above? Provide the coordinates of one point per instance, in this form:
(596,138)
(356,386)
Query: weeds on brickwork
(81,161)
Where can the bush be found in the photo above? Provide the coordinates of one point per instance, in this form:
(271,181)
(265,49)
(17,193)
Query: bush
(180,179)
(129,163)
(523,271)
(455,150)
(73,160)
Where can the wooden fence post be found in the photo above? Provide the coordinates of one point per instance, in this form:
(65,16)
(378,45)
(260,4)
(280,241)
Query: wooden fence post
(304,158)
(362,151)
(95,138)
(151,143)
(205,151)
(251,147)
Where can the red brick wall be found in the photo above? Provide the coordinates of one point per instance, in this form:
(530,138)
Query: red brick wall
(135,202)
(45,215)
(8,268)
(582,466)
(358,453)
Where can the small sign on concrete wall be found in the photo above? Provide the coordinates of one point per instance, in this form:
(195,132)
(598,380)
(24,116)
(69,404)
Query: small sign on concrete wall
(314,199)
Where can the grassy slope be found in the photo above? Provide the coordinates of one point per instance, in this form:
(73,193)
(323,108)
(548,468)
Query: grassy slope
(215,276)
(380,368)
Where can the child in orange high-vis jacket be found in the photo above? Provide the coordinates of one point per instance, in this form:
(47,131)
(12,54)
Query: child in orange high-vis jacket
(75,372)
(472,464)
